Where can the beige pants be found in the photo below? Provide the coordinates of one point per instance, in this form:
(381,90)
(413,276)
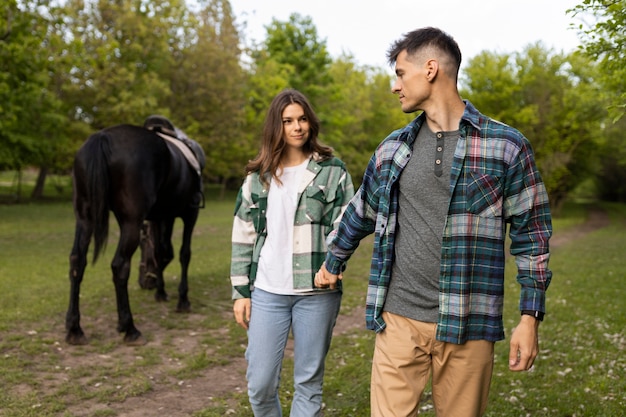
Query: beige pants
(406,353)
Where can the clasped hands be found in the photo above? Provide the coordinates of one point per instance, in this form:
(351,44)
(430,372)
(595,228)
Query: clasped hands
(324,279)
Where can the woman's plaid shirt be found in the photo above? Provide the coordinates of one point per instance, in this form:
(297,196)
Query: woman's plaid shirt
(323,194)
(494,182)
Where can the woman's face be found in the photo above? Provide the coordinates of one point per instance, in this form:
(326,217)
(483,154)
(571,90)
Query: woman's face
(295,126)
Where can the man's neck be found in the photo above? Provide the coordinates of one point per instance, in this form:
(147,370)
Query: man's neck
(445,118)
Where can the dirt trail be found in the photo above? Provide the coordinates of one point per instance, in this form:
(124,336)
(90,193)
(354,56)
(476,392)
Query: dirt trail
(172,398)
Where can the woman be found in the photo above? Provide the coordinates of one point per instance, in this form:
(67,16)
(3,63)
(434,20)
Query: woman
(291,199)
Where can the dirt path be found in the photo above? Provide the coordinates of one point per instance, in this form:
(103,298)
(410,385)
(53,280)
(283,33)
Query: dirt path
(172,398)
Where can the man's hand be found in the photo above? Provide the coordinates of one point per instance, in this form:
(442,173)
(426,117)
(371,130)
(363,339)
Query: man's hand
(242,308)
(524,344)
(324,279)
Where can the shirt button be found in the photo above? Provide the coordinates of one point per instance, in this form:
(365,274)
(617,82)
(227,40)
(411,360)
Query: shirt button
(438,161)
(439,148)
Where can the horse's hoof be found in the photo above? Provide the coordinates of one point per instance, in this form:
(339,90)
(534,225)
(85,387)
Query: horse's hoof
(160,297)
(148,281)
(135,340)
(183,308)
(76,339)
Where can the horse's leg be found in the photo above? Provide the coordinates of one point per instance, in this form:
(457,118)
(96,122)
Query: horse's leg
(163,255)
(148,266)
(189,221)
(120,266)
(78,262)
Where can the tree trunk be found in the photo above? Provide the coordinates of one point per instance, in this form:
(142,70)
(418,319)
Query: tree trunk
(41,181)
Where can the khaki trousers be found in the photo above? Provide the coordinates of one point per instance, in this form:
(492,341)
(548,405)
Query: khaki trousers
(405,355)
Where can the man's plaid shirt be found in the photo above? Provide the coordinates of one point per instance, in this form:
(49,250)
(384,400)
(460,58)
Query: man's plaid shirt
(493,182)
(323,194)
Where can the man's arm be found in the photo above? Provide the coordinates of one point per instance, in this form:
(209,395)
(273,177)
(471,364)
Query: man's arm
(530,231)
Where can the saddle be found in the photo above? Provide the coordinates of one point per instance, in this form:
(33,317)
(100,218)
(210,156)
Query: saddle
(190,149)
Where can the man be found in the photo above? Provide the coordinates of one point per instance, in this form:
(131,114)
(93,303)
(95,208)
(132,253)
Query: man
(438,195)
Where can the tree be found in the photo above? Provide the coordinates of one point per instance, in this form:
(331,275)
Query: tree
(605,41)
(207,84)
(358,111)
(296,43)
(611,168)
(552,99)
(31,117)
(126,49)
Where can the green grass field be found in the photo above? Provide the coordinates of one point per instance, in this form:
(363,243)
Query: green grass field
(580,370)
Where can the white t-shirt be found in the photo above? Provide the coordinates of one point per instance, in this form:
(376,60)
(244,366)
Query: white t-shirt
(275,273)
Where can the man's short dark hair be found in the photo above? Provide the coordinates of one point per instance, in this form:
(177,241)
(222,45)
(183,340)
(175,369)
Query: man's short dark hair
(418,39)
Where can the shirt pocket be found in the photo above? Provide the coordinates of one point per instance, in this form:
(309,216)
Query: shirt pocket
(484,195)
(319,204)
(257,216)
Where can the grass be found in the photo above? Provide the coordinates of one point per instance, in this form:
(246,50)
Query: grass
(17,186)
(581,363)
(579,371)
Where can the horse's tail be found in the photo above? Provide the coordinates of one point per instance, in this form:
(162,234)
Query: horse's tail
(98,184)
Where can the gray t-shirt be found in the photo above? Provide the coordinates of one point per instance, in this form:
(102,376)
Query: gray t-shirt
(424,195)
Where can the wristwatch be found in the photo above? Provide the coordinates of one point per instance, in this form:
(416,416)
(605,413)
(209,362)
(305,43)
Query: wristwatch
(536,314)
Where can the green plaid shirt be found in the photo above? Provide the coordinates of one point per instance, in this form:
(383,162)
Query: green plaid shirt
(323,195)
(494,183)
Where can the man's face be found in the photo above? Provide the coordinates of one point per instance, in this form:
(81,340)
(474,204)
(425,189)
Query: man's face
(411,83)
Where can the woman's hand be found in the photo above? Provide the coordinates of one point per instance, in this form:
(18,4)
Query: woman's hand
(324,279)
(241,308)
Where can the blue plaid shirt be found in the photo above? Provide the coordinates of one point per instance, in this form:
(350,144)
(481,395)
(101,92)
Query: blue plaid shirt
(494,182)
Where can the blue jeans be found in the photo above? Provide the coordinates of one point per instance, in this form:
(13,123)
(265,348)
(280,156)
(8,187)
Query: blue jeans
(311,318)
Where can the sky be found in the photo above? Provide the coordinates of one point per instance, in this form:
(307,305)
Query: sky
(366,28)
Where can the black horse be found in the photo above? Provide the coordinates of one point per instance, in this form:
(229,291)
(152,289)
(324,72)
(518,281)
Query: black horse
(143,177)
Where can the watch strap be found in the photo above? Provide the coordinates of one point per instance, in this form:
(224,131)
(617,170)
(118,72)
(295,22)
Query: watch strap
(536,314)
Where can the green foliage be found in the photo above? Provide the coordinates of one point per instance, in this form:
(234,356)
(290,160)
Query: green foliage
(357,112)
(71,67)
(124,51)
(611,165)
(295,43)
(30,115)
(552,99)
(207,84)
(603,33)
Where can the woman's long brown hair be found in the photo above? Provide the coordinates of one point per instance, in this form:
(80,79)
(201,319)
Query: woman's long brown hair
(272,143)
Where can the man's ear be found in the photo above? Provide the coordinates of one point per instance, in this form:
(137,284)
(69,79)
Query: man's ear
(432,68)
